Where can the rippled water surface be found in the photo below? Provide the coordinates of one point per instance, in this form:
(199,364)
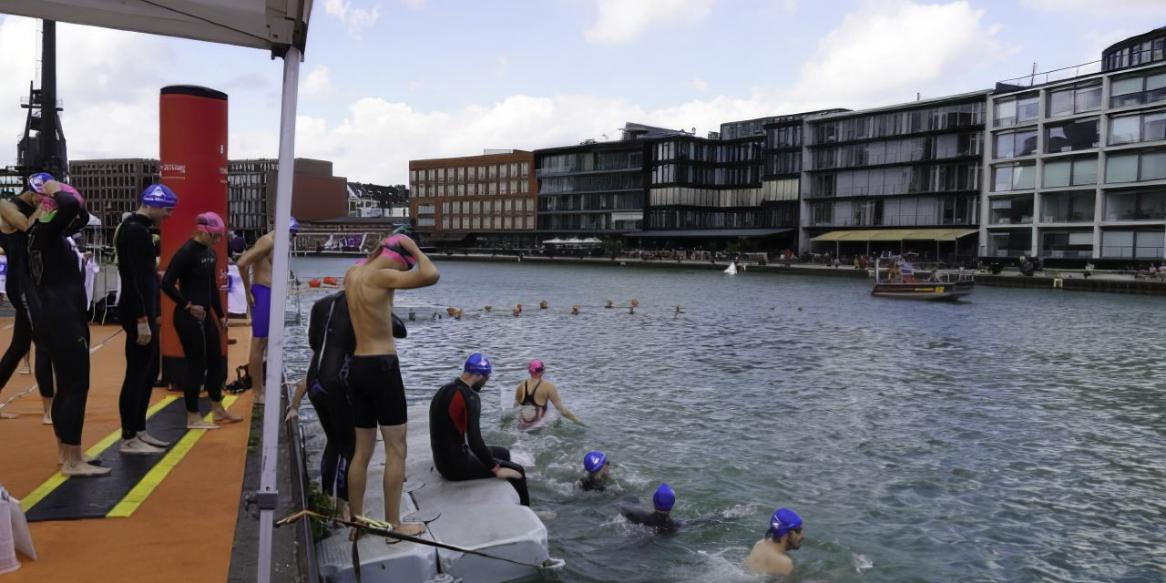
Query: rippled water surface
(1018,436)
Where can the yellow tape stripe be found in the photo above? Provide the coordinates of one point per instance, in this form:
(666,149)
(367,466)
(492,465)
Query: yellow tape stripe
(54,482)
(150,482)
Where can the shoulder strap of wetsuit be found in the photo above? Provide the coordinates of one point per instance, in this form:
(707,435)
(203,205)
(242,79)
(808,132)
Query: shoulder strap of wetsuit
(533,391)
(324,340)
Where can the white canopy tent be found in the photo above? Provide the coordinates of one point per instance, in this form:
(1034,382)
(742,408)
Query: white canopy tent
(280,26)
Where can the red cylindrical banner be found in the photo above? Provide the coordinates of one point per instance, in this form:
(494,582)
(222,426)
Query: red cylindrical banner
(193,156)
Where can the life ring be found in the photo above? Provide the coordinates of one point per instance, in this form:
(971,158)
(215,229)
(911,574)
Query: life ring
(313,283)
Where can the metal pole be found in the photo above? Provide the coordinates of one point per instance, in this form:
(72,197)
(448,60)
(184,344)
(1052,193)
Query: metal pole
(268,495)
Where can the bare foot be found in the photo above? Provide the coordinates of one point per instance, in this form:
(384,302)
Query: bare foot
(86,458)
(225,417)
(4,415)
(410,528)
(200,425)
(46,420)
(83,470)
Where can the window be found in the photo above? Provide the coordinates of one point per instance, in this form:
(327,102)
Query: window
(1011,211)
(1137,90)
(1015,144)
(1067,207)
(1134,243)
(1013,177)
(1137,128)
(1078,99)
(1009,243)
(1010,112)
(1133,167)
(1069,137)
(1066,243)
(1135,206)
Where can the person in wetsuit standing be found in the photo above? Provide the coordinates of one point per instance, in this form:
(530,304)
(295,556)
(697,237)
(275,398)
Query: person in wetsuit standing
(55,300)
(138,309)
(17,217)
(455,432)
(190,281)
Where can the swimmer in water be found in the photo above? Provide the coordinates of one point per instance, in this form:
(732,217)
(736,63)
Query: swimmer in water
(543,305)
(660,517)
(517,310)
(530,392)
(455,313)
(598,469)
(768,556)
(575,310)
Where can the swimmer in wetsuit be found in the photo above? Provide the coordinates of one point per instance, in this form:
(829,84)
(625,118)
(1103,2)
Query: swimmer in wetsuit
(455,432)
(255,271)
(598,468)
(768,556)
(375,388)
(660,518)
(191,282)
(17,215)
(139,310)
(533,394)
(55,300)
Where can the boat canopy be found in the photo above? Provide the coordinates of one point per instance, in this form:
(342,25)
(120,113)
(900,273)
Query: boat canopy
(895,235)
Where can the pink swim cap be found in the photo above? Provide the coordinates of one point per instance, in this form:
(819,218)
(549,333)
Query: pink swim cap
(210,222)
(49,203)
(536,366)
(391,247)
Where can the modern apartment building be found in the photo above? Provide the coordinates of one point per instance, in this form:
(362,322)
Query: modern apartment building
(1077,167)
(897,178)
(486,200)
(594,188)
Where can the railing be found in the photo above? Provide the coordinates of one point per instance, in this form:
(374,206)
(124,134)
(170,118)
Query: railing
(1131,252)
(1061,74)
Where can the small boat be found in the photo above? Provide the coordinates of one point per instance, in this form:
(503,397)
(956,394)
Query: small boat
(732,268)
(902,281)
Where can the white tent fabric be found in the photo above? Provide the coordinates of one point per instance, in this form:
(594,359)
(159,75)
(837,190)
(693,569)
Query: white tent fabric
(261,24)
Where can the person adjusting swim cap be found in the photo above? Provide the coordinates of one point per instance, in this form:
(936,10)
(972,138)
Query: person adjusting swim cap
(37,181)
(210,222)
(477,363)
(768,556)
(595,462)
(159,196)
(661,518)
(664,498)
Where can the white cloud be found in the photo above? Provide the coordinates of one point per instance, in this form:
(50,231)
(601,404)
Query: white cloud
(317,83)
(1141,8)
(621,21)
(700,84)
(356,19)
(887,50)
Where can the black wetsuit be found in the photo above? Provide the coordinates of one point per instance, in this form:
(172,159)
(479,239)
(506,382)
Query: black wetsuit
(332,340)
(55,299)
(455,435)
(138,268)
(528,393)
(16,285)
(589,483)
(637,514)
(192,268)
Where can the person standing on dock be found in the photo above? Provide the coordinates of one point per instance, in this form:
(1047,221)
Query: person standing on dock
(138,308)
(17,215)
(375,388)
(769,555)
(255,270)
(533,394)
(455,432)
(55,300)
(190,281)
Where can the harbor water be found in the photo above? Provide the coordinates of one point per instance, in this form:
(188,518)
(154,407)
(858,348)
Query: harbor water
(1016,436)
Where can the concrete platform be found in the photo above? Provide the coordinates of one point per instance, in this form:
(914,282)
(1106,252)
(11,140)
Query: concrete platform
(478,515)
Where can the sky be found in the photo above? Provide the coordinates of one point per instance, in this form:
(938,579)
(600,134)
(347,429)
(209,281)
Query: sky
(387,81)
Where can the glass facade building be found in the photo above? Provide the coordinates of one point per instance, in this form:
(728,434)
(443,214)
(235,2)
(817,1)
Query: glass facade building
(916,165)
(594,188)
(1077,168)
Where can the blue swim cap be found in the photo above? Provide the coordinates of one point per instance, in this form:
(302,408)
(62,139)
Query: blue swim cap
(783,521)
(37,181)
(664,498)
(477,363)
(594,461)
(293,225)
(159,196)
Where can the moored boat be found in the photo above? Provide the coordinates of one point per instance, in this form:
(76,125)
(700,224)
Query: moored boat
(902,281)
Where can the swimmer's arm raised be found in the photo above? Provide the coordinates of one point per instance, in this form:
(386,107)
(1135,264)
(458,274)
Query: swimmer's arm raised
(425,275)
(558,402)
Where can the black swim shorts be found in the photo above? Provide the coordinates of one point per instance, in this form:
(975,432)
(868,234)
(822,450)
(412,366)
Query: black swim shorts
(376,392)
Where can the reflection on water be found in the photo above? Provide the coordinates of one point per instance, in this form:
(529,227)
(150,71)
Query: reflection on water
(1018,436)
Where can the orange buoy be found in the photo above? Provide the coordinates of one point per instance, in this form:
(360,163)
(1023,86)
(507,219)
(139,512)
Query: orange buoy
(330,280)
(313,283)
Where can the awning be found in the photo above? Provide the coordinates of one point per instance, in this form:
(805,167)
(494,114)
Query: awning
(895,235)
(261,24)
(708,233)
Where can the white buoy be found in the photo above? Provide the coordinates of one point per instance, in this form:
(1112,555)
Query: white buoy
(732,268)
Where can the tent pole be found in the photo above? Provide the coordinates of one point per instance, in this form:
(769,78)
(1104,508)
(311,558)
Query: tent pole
(268,495)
